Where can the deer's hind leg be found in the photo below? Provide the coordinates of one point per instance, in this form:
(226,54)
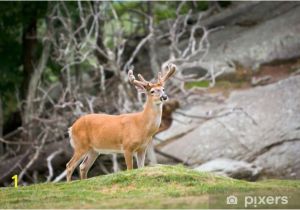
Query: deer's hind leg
(73,163)
(128,159)
(87,162)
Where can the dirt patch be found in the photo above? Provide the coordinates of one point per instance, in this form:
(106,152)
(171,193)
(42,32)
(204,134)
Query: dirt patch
(278,71)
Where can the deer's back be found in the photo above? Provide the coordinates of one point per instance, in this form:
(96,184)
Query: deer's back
(103,131)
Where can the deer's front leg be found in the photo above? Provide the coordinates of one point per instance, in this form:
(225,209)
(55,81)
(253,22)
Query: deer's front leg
(128,159)
(141,158)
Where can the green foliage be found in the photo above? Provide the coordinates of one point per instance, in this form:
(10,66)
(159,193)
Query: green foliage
(10,55)
(150,187)
(203,84)
(167,10)
(14,19)
(133,15)
(224,3)
(10,47)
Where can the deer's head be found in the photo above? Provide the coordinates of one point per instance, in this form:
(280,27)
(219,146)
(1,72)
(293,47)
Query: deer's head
(155,90)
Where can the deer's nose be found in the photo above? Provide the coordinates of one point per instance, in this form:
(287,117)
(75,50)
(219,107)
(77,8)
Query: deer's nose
(164,97)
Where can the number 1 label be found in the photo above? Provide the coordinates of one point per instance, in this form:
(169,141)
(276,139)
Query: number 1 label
(15,178)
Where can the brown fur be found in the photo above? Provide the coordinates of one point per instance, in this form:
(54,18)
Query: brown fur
(113,131)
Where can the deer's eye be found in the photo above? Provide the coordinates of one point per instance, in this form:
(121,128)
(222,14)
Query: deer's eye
(152,91)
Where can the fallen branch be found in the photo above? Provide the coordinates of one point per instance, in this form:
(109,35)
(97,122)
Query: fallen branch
(60,177)
(15,142)
(49,159)
(34,158)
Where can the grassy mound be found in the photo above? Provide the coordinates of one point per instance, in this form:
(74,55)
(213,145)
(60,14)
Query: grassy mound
(150,187)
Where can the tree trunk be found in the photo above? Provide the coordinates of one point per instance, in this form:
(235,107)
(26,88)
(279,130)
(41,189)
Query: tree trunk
(33,85)
(29,41)
(1,126)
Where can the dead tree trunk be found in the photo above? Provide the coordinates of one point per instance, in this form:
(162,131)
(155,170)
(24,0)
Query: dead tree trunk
(33,86)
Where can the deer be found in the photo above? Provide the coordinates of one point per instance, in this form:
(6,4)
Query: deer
(128,134)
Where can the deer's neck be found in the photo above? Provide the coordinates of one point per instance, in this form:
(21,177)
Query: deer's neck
(152,115)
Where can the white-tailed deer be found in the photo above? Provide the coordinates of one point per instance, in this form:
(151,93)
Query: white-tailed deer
(130,134)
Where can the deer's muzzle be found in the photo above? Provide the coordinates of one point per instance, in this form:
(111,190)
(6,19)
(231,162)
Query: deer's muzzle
(164,97)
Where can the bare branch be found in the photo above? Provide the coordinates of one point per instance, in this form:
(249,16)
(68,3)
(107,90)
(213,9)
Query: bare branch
(15,142)
(34,158)
(60,177)
(49,159)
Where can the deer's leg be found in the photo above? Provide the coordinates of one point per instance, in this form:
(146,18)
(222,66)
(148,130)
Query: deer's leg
(151,154)
(87,162)
(128,159)
(141,158)
(116,167)
(72,164)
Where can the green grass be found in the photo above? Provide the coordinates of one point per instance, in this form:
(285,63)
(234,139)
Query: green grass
(200,84)
(150,187)
(220,84)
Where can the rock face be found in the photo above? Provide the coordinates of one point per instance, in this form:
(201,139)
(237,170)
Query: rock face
(259,125)
(253,33)
(231,168)
(259,37)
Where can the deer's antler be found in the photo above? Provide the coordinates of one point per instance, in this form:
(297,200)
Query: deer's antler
(171,69)
(142,83)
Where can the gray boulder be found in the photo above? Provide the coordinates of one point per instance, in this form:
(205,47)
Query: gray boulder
(273,35)
(259,125)
(254,33)
(231,168)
